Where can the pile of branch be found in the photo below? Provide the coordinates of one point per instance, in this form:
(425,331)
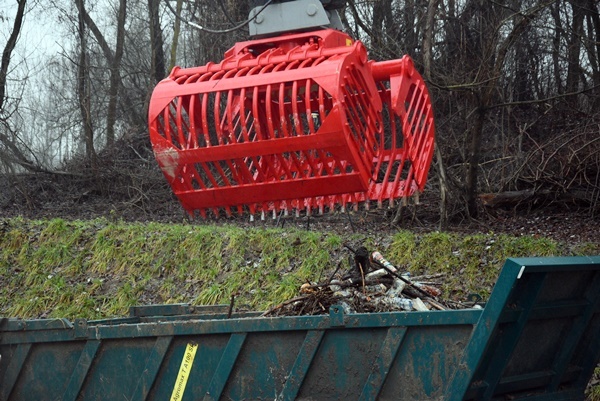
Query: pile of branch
(372,285)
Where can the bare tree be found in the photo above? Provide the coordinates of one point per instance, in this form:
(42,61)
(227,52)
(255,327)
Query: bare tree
(11,153)
(574,45)
(432,9)
(8,49)
(176,31)
(83,86)
(115,72)
(156,41)
(493,57)
(117,90)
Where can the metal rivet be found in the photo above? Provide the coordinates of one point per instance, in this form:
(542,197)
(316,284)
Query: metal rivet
(311,10)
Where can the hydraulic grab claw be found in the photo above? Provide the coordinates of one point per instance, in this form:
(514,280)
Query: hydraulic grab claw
(298,122)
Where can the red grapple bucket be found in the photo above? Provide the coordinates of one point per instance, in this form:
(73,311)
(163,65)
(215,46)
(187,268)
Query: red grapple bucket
(299,122)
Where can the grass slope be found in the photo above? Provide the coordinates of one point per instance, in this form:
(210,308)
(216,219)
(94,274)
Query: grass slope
(99,268)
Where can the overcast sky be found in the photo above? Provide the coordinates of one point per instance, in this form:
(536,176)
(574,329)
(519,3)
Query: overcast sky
(40,37)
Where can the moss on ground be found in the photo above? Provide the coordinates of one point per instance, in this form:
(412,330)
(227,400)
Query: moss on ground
(99,268)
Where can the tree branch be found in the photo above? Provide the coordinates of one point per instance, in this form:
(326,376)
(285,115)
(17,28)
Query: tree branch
(8,49)
(545,100)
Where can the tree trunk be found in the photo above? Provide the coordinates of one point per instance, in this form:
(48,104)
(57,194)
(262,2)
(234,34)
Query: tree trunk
(594,52)
(444,189)
(8,49)
(10,153)
(474,155)
(156,42)
(427,62)
(110,58)
(176,29)
(556,39)
(428,38)
(377,37)
(83,90)
(595,17)
(522,80)
(410,40)
(494,55)
(115,67)
(574,47)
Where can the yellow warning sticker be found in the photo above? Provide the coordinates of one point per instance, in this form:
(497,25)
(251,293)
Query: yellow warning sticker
(184,372)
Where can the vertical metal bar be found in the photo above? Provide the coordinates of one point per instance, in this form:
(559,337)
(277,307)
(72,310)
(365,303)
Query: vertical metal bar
(222,174)
(592,354)
(410,112)
(208,174)
(424,148)
(151,369)
(228,118)
(283,115)
(192,141)
(217,119)
(167,123)
(574,337)
(511,336)
(370,114)
(204,113)
(228,359)
(300,368)
(220,134)
(81,370)
(398,177)
(322,156)
(295,113)
(354,128)
(261,162)
(381,149)
(424,116)
(180,123)
(307,105)
(257,113)
(278,158)
(322,114)
(269,112)
(590,362)
(384,361)
(408,182)
(284,128)
(243,122)
(480,337)
(13,370)
(385,95)
(193,175)
(418,117)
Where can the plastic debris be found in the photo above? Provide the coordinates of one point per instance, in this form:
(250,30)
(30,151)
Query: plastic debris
(384,289)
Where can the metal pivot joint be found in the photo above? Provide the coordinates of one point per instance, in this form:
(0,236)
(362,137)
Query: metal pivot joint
(293,16)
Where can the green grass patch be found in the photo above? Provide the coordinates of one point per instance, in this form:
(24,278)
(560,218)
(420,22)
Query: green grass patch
(99,268)
(593,391)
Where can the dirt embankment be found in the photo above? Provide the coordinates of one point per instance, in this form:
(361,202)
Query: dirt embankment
(126,184)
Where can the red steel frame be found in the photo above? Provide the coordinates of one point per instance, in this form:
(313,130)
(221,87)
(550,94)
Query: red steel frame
(299,122)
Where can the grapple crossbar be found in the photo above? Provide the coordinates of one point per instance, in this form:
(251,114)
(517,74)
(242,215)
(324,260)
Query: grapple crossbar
(300,122)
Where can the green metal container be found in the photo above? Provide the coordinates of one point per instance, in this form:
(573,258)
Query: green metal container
(538,338)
